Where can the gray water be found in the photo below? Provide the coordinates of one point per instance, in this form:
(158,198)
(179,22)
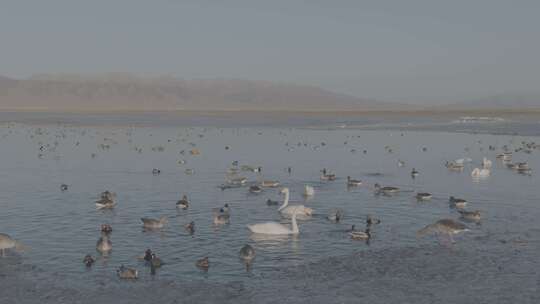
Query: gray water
(497,261)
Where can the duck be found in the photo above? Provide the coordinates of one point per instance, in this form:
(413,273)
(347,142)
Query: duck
(155,261)
(372,221)
(88,260)
(423,196)
(335,215)
(386,190)
(190,227)
(63,187)
(443,226)
(400,163)
(457,202)
(6,242)
(308,191)
(414,173)
(247,253)
(360,235)
(106,201)
(203,263)
(288,211)
(237,181)
(353,182)
(104,245)
(222,216)
(454,166)
(127,273)
(106,228)
(269,184)
(147,255)
(156,171)
(470,215)
(150,223)
(183,203)
(273,228)
(327,176)
(255,189)
(270,202)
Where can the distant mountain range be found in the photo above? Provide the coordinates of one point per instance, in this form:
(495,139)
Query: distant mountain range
(132,93)
(514,102)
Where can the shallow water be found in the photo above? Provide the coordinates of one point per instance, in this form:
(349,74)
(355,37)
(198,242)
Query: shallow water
(497,261)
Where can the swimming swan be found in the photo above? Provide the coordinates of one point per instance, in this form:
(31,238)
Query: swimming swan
(477,172)
(273,228)
(288,211)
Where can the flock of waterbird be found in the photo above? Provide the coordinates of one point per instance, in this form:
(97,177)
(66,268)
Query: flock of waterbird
(294,212)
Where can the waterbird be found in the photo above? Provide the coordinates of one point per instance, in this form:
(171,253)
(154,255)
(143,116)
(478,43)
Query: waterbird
(423,196)
(308,190)
(106,228)
(127,273)
(63,187)
(386,190)
(273,228)
(6,242)
(287,211)
(106,201)
(151,223)
(88,260)
(104,245)
(372,221)
(353,182)
(190,227)
(183,203)
(203,263)
(457,202)
(360,235)
(335,215)
(247,253)
(448,227)
(255,189)
(470,215)
(414,173)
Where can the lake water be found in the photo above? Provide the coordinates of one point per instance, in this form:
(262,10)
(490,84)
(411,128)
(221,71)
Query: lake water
(497,261)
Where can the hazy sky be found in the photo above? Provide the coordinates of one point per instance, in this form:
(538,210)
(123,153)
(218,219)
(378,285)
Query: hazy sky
(402,50)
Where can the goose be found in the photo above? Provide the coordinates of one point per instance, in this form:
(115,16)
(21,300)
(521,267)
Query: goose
(335,215)
(477,172)
(150,223)
(457,202)
(423,196)
(203,263)
(454,166)
(88,260)
(386,190)
(308,191)
(247,253)
(183,203)
(288,211)
(353,182)
(127,273)
(444,226)
(470,215)
(359,235)
(6,242)
(273,228)
(104,245)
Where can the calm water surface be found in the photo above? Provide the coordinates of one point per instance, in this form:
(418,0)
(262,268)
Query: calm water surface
(497,261)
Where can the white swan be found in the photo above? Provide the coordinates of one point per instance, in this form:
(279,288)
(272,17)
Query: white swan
(273,228)
(309,190)
(287,211)
(477,172)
